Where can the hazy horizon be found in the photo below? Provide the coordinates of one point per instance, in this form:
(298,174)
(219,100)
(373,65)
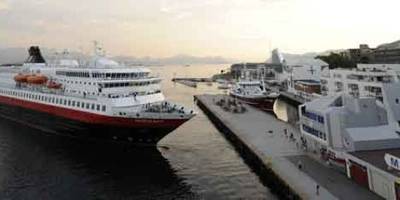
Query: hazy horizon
(239,29)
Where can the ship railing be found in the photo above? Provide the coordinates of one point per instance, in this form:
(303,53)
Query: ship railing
(164,107)
(127,78)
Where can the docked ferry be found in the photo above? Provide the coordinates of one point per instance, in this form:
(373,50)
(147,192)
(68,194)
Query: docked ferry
(100,99)
(253,92)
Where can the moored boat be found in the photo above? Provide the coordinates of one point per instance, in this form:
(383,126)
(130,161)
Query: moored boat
(255,94)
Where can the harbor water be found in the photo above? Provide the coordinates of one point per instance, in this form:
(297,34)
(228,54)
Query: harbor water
(193,162)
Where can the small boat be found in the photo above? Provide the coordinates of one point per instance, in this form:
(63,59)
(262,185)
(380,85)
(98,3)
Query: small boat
(188,83)
(224,86)
(255,94)
(21,78)
(36,79)
(220,80)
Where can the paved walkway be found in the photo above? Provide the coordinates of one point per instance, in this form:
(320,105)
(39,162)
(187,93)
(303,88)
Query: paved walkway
(333,180)
(263,133)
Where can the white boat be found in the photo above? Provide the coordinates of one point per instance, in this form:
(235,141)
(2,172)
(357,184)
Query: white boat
(254,93)
(224,85)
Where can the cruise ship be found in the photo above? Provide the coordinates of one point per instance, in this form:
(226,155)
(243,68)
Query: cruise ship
(100,99)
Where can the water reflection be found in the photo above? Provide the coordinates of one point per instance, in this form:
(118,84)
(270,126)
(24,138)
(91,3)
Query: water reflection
(36,166)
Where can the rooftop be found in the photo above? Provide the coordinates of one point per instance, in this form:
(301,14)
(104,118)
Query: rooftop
(376,158)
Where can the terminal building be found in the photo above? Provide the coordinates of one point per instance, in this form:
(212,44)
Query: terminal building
(359,135)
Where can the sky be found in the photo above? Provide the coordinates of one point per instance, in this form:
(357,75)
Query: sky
(240,29)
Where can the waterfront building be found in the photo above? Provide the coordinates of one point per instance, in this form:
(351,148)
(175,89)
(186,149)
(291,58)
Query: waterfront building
(307,87)
(385,53)
(366,80)
(359,135)
(256,71)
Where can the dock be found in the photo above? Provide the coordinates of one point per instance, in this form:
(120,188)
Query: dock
(260,140)
(291,98)
(201,80)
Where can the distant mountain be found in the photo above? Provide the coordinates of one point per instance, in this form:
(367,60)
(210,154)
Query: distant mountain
(174,60)
(301,59)
(12,55)
(392,45)
(18,55)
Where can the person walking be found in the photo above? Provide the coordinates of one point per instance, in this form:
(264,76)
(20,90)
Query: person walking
(317,190)
(299,165)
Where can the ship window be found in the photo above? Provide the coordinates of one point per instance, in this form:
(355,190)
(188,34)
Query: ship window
(98,107)
(69,102)
(92,106)
(65,102)
(73,103)
(87,105)
(103,108)
(83,105)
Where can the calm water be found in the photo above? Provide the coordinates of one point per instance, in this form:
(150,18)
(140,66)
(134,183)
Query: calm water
(193,162)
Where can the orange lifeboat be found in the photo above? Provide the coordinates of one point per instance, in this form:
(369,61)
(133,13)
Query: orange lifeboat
(37,79)
(21,78)
(54,85)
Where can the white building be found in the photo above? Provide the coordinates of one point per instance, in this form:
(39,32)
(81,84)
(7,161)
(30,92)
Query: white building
(361,135)
(366,80)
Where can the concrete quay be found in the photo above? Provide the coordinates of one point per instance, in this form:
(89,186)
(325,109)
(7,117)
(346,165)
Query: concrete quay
(259,138)
(291,98)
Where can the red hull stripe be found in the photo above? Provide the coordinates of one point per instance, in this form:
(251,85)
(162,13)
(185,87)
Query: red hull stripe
(91,118)
(266,104)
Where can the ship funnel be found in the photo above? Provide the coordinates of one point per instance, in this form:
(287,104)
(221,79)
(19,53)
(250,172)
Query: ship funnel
(35,56)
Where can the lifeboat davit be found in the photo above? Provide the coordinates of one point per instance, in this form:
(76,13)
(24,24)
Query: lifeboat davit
(37,79)
(21,78)
(54,85)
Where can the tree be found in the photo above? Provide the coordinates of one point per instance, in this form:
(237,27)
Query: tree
(336,60)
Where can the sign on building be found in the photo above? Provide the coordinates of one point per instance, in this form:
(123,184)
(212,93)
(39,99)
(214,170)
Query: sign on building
(392,161)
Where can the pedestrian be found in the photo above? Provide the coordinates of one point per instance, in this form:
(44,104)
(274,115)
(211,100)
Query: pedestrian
(299,164)
(317,189)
